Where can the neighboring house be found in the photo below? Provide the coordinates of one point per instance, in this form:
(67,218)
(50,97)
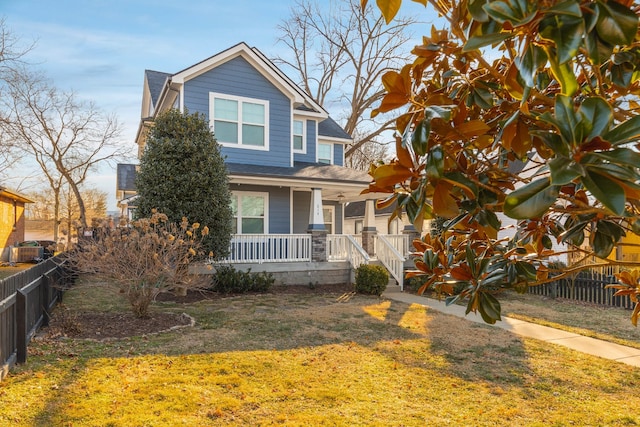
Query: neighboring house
(126,189)
(354,219)
(12,220)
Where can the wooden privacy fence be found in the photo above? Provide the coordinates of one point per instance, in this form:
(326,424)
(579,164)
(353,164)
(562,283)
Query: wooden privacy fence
(26,300)
(587,287)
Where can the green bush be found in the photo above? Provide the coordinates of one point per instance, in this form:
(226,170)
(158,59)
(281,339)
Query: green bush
(412,284)
(371,279)
(228,280)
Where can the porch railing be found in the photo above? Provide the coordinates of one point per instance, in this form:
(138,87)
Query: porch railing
(342,247)
(401,242)
(246,248)
(391,258)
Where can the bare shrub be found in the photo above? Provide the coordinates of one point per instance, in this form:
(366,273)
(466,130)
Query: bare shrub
(145,257)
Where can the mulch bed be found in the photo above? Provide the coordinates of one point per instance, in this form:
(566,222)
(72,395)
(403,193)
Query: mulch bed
(101,326)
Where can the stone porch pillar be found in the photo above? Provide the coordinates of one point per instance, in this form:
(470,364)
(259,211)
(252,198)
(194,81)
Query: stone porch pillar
(410,231)
(316,227)
(369,231)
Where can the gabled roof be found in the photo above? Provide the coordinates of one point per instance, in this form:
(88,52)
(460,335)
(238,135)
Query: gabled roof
(328,127)
(261,64)
(155,82)
(126,177)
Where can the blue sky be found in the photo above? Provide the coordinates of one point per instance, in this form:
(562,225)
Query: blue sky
(100,48)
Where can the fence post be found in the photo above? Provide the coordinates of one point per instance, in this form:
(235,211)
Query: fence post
(45,291)
(21,327)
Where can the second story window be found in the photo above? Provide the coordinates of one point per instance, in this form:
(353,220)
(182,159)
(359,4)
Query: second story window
(298,136)
(325,153)
(241,122)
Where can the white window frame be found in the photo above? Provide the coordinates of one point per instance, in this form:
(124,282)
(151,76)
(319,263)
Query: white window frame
(240,100)
(330,151)
(302,150)
(238,219)
(332,214)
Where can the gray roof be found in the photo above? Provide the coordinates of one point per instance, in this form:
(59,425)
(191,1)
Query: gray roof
(328,127)
(155,80)
(304,171)
(126,177)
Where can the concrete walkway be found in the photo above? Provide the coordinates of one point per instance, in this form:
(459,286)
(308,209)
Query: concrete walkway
(604,349)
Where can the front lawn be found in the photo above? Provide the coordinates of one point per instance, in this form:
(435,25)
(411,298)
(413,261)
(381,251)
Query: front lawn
(315,359)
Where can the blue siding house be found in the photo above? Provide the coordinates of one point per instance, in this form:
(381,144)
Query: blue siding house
(284,156)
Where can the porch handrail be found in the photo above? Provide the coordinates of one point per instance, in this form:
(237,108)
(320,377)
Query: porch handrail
(401,242)
(391,259)
(342,247)
(260,248)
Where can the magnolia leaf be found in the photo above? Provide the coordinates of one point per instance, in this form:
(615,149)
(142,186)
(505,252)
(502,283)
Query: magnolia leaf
(472,128)
(617,24)
(607,191)
(477,42)
(602,244)
(460,180)
(515,12)
(435,163)
(564,170)
(599,113)
(512,83)
(477,11)
(563,73)
(569,7)
(624,156)
(626,131)
(532,200)
(565,31)
(389,8)
(420,137)
(566,119)
(489,307)
(532,59)
(404,157)
(390,175)
(444,204)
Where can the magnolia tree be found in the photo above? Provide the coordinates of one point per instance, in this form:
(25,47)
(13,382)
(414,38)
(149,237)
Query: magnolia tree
(148,257)
(546,132)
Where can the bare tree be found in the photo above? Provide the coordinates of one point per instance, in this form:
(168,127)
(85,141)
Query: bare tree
(12,52)
(95,204)
(66,137)
(371,152)
(339,53)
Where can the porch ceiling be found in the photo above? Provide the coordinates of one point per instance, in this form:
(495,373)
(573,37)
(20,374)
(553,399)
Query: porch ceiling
(337,183)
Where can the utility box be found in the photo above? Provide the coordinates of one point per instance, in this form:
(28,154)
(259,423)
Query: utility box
(25,253)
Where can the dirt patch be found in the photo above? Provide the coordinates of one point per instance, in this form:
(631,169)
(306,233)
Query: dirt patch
(102,326)
(97,325)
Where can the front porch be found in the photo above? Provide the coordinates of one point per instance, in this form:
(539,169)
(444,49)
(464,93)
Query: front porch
(318,257)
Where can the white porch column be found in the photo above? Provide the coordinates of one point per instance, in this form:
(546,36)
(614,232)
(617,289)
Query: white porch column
(316,227)
(369,231)
(316,219)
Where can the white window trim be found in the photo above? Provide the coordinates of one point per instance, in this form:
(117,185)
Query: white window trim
(241,99)
(318,150)
(265,197)
(304,136)
(332,210)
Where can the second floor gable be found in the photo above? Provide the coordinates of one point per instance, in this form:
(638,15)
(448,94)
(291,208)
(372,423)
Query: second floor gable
(258,115)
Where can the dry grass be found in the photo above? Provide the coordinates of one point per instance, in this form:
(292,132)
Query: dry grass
(314,360)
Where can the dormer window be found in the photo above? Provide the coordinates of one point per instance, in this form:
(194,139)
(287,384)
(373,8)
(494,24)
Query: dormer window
(299,140)
(239,122)
(325,153)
